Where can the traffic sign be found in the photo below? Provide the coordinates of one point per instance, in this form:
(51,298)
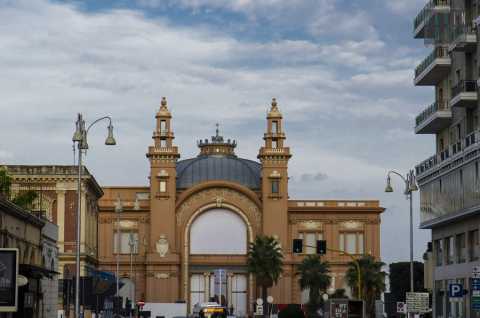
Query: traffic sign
(259,310)
(476,294)
(401,307)
(476,272)
(418,303)
(455,291)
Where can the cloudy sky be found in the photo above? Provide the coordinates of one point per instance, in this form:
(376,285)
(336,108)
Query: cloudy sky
(342,72)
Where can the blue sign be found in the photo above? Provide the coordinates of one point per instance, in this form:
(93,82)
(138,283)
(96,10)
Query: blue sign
(476,294)
(455,291)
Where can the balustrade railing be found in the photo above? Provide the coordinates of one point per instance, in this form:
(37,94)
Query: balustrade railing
(430,110)
(426,12)
(464,86)
(453,151)
(438,52)
(461,30)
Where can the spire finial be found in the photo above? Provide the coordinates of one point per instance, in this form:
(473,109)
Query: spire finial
(218,131)
(274,103)
(163,104)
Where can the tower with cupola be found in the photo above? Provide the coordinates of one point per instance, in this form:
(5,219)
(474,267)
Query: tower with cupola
(162,247)
(274,158)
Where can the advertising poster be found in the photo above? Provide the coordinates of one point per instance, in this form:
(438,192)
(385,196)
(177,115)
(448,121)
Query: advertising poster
(8,280)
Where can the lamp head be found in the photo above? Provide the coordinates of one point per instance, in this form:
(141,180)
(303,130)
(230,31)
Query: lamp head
(110,141)
(412,182)
(389,188)
(77,136)
(83,144)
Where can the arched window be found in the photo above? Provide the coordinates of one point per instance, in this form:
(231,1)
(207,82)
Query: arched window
(217,232)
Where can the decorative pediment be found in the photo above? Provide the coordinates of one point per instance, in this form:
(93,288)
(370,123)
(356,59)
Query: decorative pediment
(352,225)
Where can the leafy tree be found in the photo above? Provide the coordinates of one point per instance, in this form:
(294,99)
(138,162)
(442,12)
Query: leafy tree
(5,183)
(373,280)
(265,261)
(314,276)
(23,199)
(400,279)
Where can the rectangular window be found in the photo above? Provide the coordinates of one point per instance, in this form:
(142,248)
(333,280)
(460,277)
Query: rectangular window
(473,245)
(163,126)
(275,186)
(163,143)
(274,127)
(450,250)
(128,242)
(438,245)
(351,242)
(310,241)
(461,248)
(163,186)
(274,144)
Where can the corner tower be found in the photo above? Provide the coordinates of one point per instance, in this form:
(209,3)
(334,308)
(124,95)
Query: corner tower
(274,158)
(163,156)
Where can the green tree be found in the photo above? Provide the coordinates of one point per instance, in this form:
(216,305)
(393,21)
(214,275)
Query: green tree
(265,261)
(399,284)
(23,199)
(5,183)
(314,276)
(373,280)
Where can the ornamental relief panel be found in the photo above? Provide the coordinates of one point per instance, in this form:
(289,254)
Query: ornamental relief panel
(219,196)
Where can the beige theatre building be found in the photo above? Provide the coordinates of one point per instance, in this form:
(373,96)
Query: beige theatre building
(198,215)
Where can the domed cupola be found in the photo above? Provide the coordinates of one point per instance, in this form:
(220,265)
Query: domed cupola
(217,161)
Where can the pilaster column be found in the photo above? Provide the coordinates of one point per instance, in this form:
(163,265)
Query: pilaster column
(61,219)
(207,286)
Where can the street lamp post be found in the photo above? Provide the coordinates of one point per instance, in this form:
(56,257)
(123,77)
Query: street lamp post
(118,210)
(410,187)
(80,137)
(132,244)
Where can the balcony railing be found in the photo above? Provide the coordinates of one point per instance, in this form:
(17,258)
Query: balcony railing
(470,140)
(438,52)
(453,151)
(434,118)
(429,111)
(464,86)
(426,13)
(463,37)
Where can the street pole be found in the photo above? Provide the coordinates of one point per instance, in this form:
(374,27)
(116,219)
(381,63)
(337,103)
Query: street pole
(80,137)
(118,209)
(77,244)
(410,187)
(412,288)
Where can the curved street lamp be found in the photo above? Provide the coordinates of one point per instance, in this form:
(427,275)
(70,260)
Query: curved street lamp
(80,137)
(410,187)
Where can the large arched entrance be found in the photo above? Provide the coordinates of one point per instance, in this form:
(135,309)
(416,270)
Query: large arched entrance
(218,239)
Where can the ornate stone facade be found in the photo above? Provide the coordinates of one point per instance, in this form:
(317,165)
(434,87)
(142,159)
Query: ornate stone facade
(248,198)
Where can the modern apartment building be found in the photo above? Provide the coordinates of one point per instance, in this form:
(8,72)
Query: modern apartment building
(450,179)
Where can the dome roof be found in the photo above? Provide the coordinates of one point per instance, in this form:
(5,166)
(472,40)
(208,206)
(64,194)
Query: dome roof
(210,167)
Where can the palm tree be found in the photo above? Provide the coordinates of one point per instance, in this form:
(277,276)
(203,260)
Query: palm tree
(373,280)
(314,276)
(265,261)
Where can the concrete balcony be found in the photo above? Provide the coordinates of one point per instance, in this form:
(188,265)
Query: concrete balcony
(423,17)
(464,38)
(460,150)
(464,94)
(433,119)
(433,68)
